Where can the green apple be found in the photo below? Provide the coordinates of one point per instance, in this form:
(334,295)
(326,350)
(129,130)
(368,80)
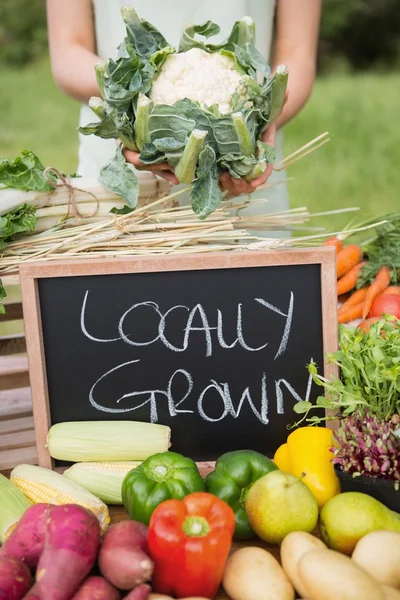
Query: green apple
(279,503)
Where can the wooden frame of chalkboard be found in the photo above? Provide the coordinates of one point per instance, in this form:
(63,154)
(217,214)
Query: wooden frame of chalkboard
(32,274)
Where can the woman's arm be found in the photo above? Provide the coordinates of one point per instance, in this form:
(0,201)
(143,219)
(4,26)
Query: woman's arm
(296,40)
(72,47)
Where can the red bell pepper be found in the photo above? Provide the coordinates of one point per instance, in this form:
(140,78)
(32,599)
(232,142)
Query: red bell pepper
(189,541)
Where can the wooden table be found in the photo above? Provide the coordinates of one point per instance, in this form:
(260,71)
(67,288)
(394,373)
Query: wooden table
(118,513)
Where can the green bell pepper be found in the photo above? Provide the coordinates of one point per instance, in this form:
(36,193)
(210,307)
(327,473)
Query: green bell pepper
(160,477)
(234,474)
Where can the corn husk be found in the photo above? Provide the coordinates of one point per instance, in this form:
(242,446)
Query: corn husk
(107,441)
(13,504)
(102,479)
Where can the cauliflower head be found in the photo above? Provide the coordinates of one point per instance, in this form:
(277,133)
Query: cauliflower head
(200,76)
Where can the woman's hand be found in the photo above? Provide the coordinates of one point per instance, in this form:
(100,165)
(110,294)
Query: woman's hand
(161,169)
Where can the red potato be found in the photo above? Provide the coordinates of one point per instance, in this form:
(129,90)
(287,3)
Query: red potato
(96,588)
(15,578)
(27,540)
(70,550)
(141,592)
(123,558)
(385,303)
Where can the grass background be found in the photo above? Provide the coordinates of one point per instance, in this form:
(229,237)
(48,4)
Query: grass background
(359,167)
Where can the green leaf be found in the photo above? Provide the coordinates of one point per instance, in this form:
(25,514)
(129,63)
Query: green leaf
(2,296)
(20,220)
(302,407)
(24,173)
(118,177)
(249,57)
(125,210)
(269,152)
(206,30)
(169,122)
(105,128)
(206,195)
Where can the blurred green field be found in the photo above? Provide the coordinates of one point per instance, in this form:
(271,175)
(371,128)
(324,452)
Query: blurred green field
(359,167)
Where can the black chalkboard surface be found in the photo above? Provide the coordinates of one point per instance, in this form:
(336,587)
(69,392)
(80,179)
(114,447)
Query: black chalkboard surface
(218,352)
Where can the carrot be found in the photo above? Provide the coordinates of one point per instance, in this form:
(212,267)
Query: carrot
(354,299)
(348,281)
(347,258)
(381,282)
(335,242)
(353,312)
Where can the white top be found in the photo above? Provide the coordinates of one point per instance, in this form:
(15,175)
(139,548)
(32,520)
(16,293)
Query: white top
(169,16)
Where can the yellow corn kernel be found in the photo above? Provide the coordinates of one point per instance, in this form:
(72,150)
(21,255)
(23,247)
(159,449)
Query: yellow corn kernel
(102,479)
(42,485)
(13,504)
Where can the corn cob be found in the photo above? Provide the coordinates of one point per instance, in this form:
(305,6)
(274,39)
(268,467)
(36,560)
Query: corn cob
(107,441)
(102,479)
(45,486)
(13,504)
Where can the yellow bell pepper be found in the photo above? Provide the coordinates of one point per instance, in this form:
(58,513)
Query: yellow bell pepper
(307,451)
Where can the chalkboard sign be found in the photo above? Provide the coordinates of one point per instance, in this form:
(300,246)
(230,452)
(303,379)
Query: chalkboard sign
(215,346)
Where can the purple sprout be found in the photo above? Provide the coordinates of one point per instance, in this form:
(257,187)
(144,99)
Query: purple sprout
(368,446)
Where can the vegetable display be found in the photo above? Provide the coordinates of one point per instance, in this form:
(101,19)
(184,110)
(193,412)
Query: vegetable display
(234,474)
(199,107)
(189,541)
(160,477)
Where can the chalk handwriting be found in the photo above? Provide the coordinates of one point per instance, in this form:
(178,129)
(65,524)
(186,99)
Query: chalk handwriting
(197,321)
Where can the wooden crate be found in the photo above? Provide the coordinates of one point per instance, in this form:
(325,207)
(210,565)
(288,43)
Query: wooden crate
(17,434)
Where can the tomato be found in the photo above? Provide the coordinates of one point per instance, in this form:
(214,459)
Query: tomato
(386,303)
(392,290)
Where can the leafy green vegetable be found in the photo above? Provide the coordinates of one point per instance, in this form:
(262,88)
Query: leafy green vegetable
(383,250)
(162,132)
(118,176)
(25,173)
(370,374)
(20,220)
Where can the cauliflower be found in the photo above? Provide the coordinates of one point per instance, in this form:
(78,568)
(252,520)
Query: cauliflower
(204,78)
(202,108)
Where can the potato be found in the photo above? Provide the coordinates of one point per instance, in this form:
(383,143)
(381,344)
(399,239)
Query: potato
(329,575)
(254,574)
(390,593)
(293,547)
(379,554)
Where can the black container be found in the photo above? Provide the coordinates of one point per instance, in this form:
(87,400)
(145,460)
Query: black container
(380,489)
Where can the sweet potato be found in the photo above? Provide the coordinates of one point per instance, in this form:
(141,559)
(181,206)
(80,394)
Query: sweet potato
(33,594)
(123,558)
(141,592)
(27,540)
(70,550)
(97,588)
(15,578)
